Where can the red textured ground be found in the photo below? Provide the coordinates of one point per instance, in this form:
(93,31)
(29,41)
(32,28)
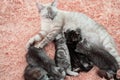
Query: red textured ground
(19,20)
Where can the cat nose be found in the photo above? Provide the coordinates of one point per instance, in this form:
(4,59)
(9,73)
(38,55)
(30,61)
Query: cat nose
(49,8)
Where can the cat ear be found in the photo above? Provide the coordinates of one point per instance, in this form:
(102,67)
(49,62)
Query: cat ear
(39,6)
(54,3)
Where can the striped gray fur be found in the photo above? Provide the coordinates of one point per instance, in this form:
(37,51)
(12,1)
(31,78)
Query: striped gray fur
(62,57)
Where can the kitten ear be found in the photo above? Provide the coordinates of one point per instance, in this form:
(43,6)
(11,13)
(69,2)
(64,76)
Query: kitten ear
(85,41)
(67,31)
(39,6)
(86,44)
(54,3)
(78,31)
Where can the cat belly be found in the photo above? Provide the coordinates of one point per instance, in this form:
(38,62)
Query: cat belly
(92,38)
(70,26)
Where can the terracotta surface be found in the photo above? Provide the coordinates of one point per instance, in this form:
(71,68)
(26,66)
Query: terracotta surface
(19,20)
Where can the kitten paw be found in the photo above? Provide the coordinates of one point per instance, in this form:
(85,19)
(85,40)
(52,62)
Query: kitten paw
(34,40)
(76,69)
(72,73)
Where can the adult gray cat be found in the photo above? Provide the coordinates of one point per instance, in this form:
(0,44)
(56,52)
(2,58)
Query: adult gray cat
(54,21)
(62,57)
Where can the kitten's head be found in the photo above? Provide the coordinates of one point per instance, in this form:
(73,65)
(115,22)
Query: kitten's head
(47,10)
(73,36)
(83,47)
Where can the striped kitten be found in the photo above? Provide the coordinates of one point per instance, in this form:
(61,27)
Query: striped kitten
(62,57)
(54,21)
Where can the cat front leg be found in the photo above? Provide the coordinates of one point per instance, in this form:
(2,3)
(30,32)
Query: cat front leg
(50,37)
(38,37)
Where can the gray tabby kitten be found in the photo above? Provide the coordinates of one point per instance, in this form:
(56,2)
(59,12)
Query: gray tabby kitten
(62,57)
(38,58)
(54,21)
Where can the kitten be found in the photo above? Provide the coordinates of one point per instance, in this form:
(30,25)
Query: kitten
(100,57)
(62,56)
(35,73)
(38,57)
(54,21)
(78,61)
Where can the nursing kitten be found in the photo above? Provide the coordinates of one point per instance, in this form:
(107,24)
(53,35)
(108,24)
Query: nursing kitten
(100,57)
(54,21)
(62,57)
(38,57)
(78,61)
(35,73)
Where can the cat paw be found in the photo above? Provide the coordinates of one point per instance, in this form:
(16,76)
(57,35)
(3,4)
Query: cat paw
(34,40)
(37,45)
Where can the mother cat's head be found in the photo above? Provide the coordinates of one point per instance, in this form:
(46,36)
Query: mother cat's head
(47,10)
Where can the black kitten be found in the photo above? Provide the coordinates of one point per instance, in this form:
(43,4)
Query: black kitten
(77,60)
(37,57)
(100,57)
